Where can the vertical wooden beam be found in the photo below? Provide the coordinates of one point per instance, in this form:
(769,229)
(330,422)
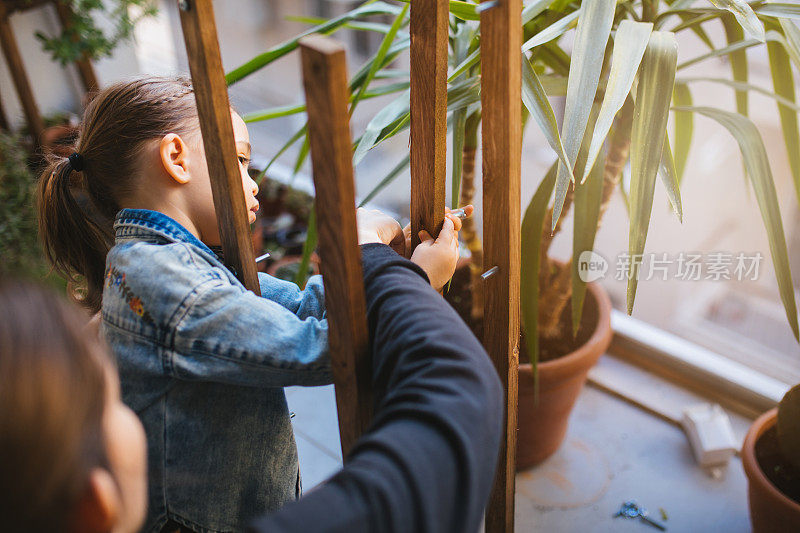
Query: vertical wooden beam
(84,65)
(501,40)
(3,120)
(429,31)
(17,69)
(325,82)
(213,108)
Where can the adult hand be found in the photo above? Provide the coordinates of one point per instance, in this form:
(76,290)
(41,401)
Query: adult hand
(375,226)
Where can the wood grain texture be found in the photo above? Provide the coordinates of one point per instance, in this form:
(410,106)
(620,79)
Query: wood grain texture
(84,65)
(18,75)
(325,82)
(501,40)
(211,94)
(429,31)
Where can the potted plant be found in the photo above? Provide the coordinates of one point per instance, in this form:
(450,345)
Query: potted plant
(620,81)
(771,460)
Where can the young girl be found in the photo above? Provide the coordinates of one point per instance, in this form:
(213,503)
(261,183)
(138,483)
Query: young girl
(202,360)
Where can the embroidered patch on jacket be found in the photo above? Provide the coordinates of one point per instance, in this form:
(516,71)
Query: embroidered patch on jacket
(115,278)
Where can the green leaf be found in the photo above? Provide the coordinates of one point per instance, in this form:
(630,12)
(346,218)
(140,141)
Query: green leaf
(653,95)
(791,41)
(684,128)
(389,178)
(783,83)
(386,116)
(469,62)
(379,57)
(283,111)
(587,200)
(531,235)
(738,59)
(459,122)
(594,27)
(630,43)
(669,177)
(293,139)
(301,156)
(280,50)
(741,45)
(755,159)
(744,16)
(308,248)
(779,9)
(532,10)
(535,100)
(695,24)
(783,101)
(554,31)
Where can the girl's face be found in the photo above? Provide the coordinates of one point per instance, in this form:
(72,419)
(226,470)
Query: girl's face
(206,219)
(127,456)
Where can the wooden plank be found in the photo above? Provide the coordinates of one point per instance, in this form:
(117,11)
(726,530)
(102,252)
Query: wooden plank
(429,31)
(3,120)
(20,78)
(501,39)
(325,82)
(84,65)
(211,94)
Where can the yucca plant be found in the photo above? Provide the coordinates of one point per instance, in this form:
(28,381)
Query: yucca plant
(621,80)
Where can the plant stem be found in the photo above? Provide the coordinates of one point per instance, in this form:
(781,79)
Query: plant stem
(468,231)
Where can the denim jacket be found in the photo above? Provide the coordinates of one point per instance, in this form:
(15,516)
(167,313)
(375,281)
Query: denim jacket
(203,362)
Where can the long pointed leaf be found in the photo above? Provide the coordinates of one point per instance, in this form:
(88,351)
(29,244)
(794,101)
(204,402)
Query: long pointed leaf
(389,178)
(301,277)
(779,9)
(654,92)
(755,158)
(554,31)
(741,45)
(783,83)
(383,49)
(587,199)
(594,27)
(783,101)
(386,116)
(630,43)
(735,33)
(684,128)
(531,235)
(280,50)
(669,177)
(792,40)
(535,100)
(745,16)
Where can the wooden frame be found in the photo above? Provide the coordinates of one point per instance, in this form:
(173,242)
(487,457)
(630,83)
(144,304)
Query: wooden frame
(501,86)
(429,31)
(214,110)
(327,94)
(325,82)
(15,65)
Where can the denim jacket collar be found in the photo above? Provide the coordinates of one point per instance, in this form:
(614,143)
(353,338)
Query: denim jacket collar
(140,223)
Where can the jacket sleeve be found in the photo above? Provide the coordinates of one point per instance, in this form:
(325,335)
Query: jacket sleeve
(428,459)
(309,302)
(230,335)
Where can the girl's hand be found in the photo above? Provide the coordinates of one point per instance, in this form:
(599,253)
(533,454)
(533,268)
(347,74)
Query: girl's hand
(468,210)
(438,257)
(374,226)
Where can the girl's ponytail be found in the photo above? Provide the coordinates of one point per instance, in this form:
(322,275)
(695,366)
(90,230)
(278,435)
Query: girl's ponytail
(75,241)
(79,196)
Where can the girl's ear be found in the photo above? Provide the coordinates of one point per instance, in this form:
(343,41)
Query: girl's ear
(175,157)
(98,509)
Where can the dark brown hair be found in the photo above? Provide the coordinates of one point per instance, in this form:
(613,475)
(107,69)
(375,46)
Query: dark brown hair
(52,395)
(77,205)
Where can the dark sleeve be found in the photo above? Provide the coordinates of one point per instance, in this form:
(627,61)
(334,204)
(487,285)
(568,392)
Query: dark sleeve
(427,462)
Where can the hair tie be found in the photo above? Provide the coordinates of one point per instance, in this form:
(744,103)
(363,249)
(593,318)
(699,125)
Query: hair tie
(76,161)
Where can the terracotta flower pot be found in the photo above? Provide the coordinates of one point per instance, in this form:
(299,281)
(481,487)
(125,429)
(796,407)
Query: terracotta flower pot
(771,511)
(543,425)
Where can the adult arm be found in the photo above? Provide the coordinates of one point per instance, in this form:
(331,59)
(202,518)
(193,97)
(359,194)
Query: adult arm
(428,459)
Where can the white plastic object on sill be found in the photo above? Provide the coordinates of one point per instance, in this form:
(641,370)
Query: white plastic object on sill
(710,434)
